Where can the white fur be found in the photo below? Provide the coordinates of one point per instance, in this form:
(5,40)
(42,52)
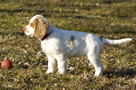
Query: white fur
(29,31)
(57,47)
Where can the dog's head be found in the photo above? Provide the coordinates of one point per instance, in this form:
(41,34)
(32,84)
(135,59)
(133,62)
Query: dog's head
(38,27)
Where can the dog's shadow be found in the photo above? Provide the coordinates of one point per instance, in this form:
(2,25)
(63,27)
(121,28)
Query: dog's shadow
(120,73)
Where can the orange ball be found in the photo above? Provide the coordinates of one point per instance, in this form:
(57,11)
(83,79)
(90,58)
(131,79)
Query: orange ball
(6,64)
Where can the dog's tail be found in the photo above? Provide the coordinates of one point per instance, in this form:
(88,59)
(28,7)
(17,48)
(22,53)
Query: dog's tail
(114,42)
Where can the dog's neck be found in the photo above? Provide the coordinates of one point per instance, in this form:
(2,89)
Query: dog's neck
(50,30)
(46,35)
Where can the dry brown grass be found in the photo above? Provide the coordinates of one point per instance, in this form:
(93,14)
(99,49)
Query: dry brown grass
(109,19)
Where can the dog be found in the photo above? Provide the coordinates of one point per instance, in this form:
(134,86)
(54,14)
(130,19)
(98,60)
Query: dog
(60,44)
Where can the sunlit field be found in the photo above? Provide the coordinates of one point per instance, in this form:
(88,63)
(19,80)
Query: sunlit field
(112,19)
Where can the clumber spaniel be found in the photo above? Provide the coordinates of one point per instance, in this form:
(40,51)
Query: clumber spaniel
(60,44)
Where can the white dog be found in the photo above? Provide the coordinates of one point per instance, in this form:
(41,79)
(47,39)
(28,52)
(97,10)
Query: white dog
(59,44)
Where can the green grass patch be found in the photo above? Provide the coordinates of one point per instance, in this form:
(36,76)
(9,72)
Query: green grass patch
(113,19)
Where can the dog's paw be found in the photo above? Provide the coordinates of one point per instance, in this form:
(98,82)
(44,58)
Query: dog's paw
(61,72)
(48,72)
(97,75)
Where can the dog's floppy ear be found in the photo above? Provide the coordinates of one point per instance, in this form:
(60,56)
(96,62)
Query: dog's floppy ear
(41,27)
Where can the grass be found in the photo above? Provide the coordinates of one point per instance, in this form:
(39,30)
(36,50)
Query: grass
(111,19)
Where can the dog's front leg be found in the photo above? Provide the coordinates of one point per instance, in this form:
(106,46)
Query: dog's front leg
(51,65)
(62,63)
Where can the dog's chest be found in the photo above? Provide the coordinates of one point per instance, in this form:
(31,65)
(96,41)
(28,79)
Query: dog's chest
(51,48)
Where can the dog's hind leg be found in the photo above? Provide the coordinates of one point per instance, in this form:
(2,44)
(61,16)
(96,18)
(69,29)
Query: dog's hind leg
(95,60)
(94,57)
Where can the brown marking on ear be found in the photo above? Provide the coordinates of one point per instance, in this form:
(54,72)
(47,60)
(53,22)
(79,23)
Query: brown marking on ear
(100,38)
(72,40)
(41,27)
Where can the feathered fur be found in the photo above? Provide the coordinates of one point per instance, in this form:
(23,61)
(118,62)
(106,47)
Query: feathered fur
(61,44)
